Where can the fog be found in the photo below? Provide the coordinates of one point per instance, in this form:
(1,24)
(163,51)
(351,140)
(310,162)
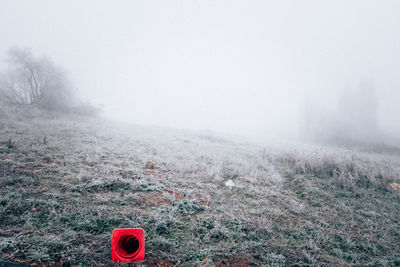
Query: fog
(255,68)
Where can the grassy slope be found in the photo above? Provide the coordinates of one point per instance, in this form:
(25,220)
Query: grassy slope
(61,196)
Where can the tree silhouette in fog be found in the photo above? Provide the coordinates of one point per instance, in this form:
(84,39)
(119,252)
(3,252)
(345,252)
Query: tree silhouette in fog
(34,81)
(356,114)
(353,119)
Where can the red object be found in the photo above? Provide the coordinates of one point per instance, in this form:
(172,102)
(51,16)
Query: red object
(127,245)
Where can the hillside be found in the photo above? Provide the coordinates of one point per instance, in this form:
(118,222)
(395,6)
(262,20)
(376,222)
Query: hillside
(66,182)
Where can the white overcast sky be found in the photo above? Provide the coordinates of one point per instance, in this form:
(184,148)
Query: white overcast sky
(233,66)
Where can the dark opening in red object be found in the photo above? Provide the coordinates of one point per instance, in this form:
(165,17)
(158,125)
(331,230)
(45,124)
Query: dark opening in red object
(127,245)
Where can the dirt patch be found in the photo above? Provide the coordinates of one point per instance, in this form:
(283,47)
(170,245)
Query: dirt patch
(160,198)
(204,198)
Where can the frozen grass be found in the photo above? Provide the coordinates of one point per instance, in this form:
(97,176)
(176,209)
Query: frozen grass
(66,182)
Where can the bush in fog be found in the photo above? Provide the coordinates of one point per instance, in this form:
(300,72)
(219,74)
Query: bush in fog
(86,109)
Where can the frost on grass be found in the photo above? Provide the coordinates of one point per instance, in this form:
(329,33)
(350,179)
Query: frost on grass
(62,195)
(344,166)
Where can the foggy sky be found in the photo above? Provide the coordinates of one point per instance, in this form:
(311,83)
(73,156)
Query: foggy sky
(248,67)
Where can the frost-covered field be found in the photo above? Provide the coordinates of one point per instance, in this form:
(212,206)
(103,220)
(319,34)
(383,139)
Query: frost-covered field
(67,182)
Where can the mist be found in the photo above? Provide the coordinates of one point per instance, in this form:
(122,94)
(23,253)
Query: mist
(200,133)
(254,68)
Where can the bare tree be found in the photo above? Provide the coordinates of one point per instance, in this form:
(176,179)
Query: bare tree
(34,81)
